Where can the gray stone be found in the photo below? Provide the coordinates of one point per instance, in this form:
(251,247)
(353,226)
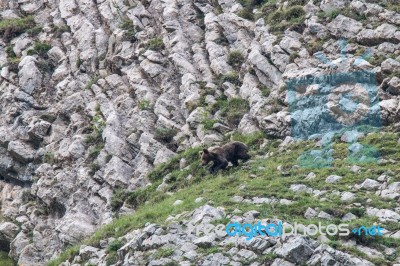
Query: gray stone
(8,231)
(296,250)
(333,179)
(299,188)
(205,241)
(310,213)
(370,184)
(21,151)
(324,215)
(117,173)
(347,196)
(177,202)
(348,217)
(30,78)
(344,27)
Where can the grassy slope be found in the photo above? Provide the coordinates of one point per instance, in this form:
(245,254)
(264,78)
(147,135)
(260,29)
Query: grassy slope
(5,260)
(262,179)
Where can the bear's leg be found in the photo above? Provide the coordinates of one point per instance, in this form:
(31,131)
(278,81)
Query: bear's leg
(245,157)
(213,167)
(235,162)
(221,164)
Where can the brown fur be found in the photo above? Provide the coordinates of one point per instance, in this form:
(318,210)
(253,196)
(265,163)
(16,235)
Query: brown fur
(220,156)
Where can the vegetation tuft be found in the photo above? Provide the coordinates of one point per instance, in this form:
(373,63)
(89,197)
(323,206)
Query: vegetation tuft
(290,18)
(11,28)
(39,48)
(155,44)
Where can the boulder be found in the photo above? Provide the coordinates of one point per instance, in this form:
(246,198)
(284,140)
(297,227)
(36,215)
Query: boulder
(296,250)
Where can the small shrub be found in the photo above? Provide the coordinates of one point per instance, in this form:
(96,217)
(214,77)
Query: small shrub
(45,65)
(219,104)
(139,196)
(92,82)
(79,62)
(235,59)
(27,196)
(59,30)
(40,49)
(293,56)
(269,6)
(376,60)
(48,117)
(290,18)
(165,134)
(134,198)
(13,27)
(209,123)
(115,245)
(222,40)
(246,13)
(172,263)
(34,31)
(93,154)
(10,51)
(145,105)
(231,77)
(210,250)
(118,199)
(111,259)
(93,168)
(315,46)
(97,126)
(155,44)
(13,64)
(294,12)
(48,157)
(391,6)
(164,252)
(234,110)
(218,8)
(127,25)
(265,91)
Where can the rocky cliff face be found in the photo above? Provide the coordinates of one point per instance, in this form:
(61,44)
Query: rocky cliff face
(94,94)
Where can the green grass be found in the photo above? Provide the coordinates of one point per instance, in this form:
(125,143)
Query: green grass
(5,260)
(235,58)
(234,109)
(48,157)
(114,245)
(209,123)
(293,56)
(10,51)
(39,48)
(165,134)
(145,105)
(347,12)
(91,82)
(155,44)
(10,28)
(231,77)
(265,91)
(164,252)
(290,18)
(262,179)
(127,25)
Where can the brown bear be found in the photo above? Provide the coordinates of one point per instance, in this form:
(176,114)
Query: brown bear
(220,156)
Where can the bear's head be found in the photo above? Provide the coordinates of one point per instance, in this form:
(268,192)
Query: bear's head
(206,156)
